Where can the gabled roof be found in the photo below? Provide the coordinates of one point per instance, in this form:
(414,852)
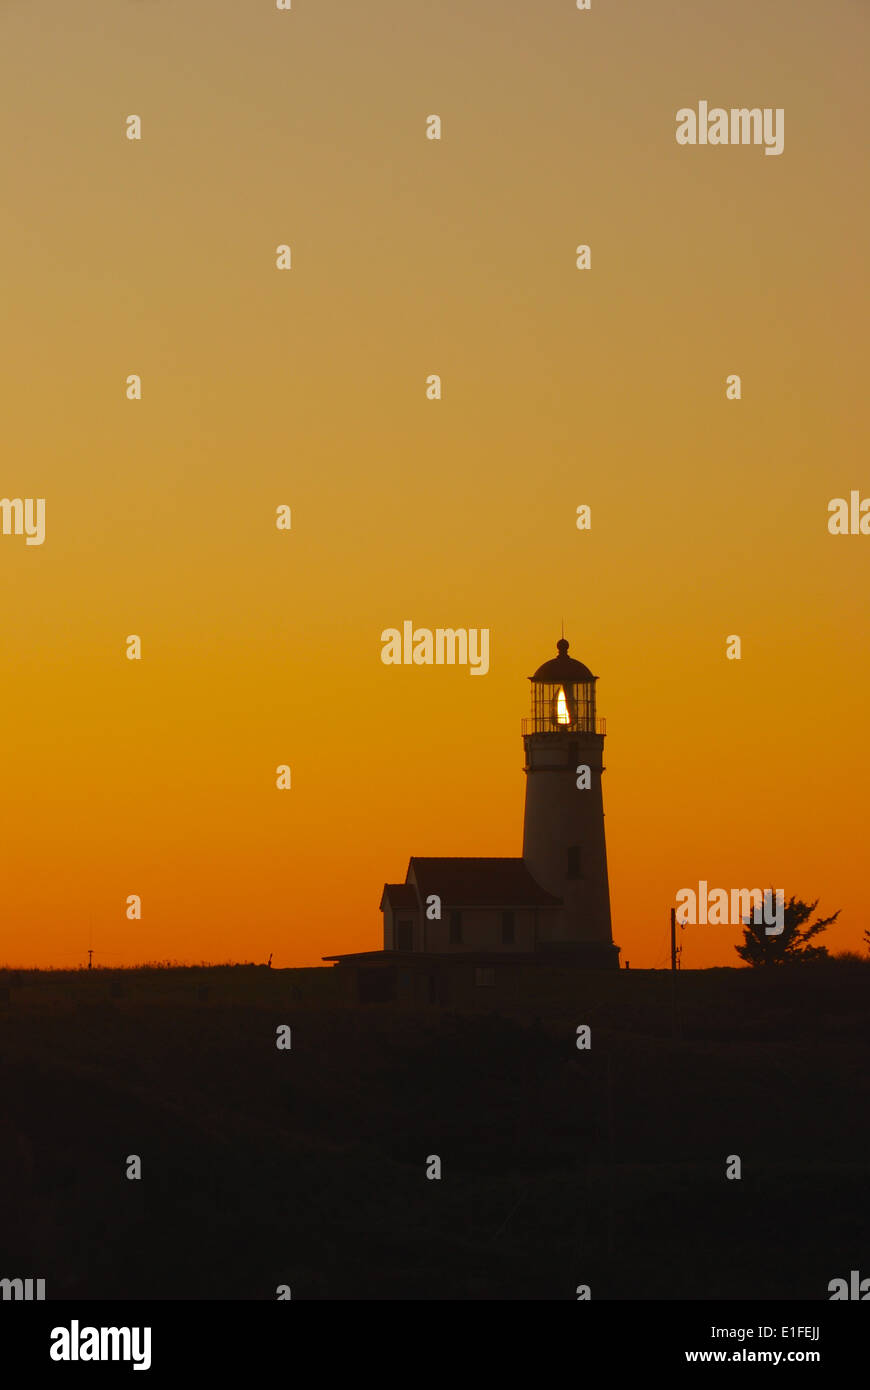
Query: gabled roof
(399,895)
(480,883)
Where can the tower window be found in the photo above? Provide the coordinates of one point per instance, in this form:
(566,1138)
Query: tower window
(405,936)
(456,929)
(507,929)
(572,869)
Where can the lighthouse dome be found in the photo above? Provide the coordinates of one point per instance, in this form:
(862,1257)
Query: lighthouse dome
(562,669)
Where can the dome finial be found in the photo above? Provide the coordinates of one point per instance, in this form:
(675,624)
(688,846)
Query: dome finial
(562,668)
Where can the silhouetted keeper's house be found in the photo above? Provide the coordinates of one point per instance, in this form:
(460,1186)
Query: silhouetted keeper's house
(459,926)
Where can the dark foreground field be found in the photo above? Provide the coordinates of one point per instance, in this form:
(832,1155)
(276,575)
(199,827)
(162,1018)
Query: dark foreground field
(307,1167)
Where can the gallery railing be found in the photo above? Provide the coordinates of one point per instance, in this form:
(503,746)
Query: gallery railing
(547,725)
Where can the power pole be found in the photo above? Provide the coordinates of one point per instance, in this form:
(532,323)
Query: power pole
(90,954)
(675,1026)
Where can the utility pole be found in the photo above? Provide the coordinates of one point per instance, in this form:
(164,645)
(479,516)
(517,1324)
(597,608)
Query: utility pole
(675,1026)
(90,954)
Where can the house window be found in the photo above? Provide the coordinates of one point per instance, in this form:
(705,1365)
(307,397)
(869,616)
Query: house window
(573,868)
(456,929)
(405,937)
(484,975)
(507,929)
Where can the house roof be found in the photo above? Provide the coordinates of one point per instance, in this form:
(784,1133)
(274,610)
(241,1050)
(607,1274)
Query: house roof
(480,883)
(399,895)
(426,959)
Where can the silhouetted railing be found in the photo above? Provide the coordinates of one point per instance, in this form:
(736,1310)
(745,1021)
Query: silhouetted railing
(542,725)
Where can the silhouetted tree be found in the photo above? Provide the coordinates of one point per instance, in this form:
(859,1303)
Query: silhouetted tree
(867,939)
(792,943)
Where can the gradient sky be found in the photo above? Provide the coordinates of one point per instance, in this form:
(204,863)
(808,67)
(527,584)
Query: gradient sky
(307,388)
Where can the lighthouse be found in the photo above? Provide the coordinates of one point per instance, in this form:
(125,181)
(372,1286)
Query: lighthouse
(460,929)
(563,828)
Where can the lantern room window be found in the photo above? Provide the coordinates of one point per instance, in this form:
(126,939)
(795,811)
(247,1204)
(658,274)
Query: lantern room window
(563,697)
(563,706)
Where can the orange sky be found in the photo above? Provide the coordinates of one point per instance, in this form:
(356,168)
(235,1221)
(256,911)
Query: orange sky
(307,387)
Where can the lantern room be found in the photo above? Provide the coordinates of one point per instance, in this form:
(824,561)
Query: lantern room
(563,697)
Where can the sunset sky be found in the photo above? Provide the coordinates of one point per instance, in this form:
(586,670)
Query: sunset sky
(307,387)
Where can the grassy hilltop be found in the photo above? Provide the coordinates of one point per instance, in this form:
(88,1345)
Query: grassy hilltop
(307,1167)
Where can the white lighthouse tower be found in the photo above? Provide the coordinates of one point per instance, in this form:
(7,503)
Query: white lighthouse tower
(563,831)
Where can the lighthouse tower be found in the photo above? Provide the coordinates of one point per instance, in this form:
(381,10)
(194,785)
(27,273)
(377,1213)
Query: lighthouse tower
(563,830)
